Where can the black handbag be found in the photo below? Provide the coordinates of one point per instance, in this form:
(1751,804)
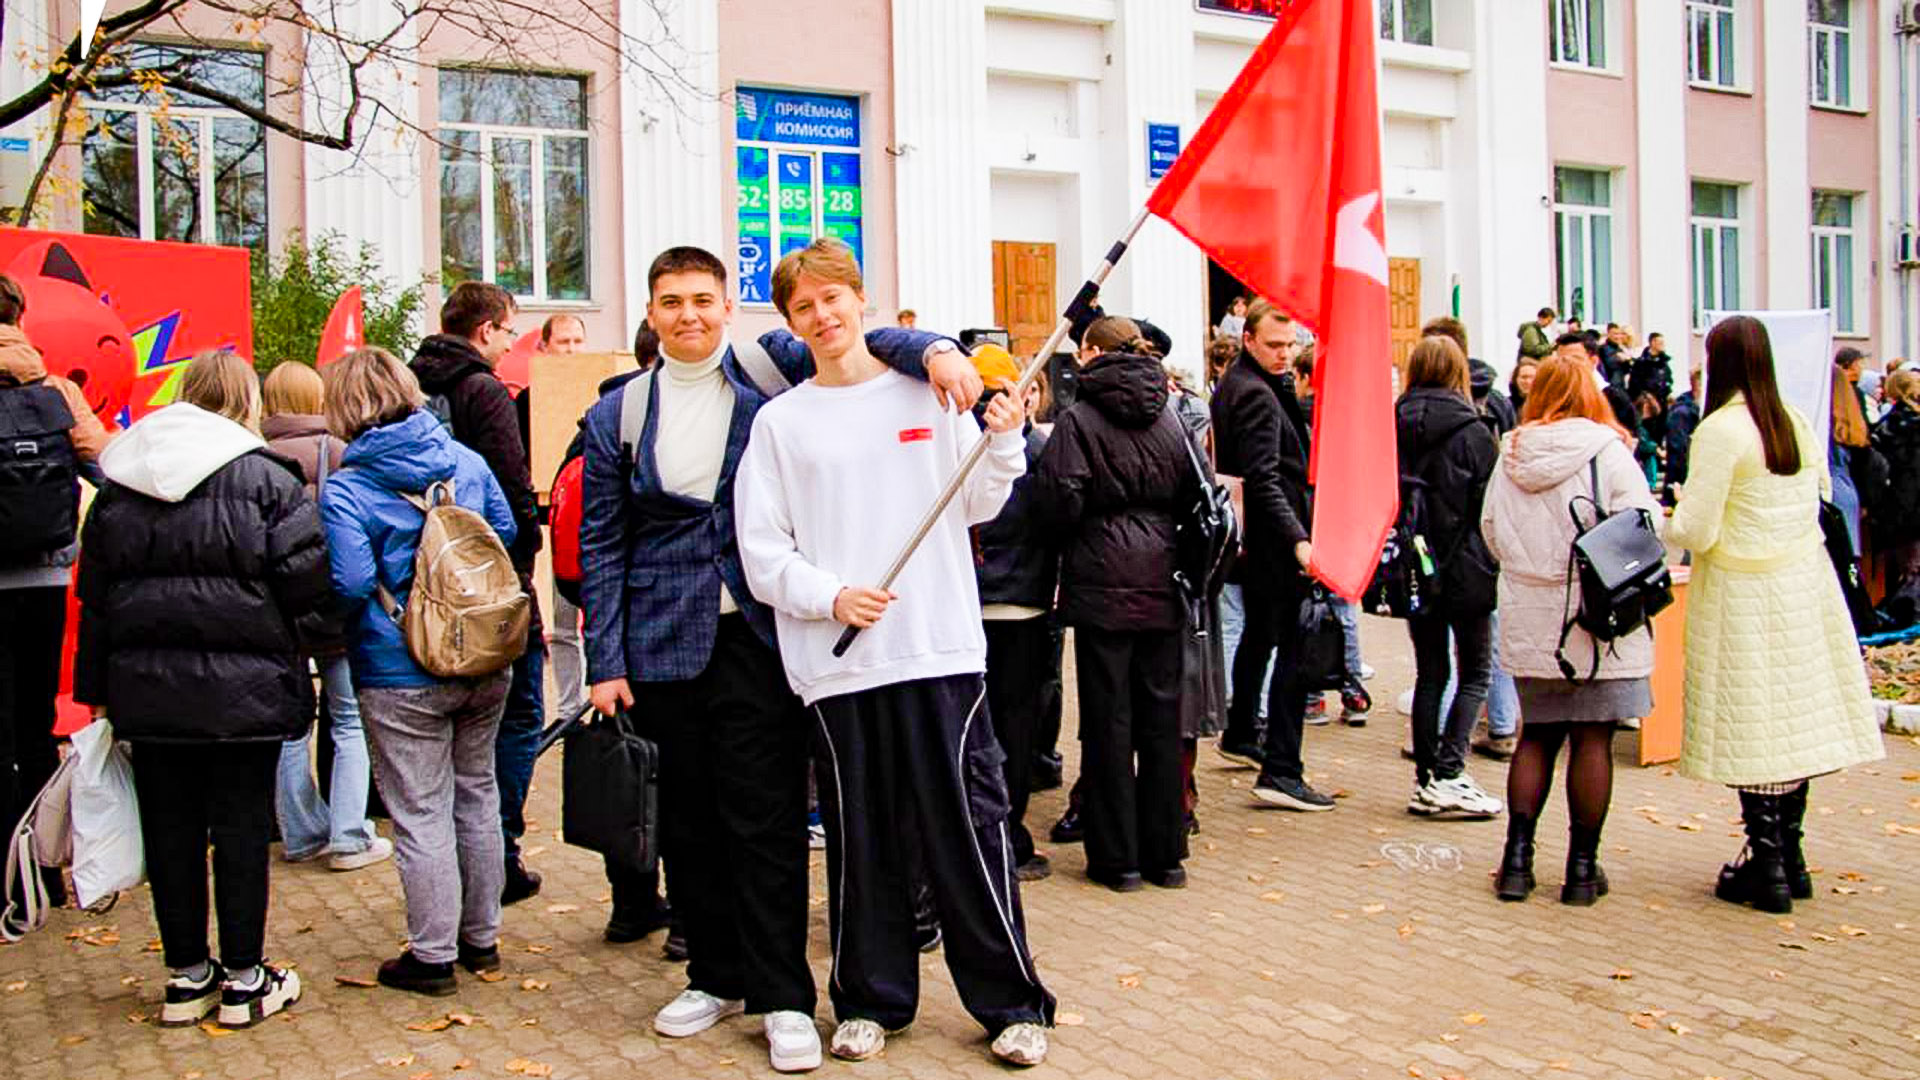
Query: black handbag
(1622,567)
(1207,536)
(1323,642)
(610,792)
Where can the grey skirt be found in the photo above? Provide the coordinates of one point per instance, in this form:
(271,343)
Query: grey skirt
(1557,701)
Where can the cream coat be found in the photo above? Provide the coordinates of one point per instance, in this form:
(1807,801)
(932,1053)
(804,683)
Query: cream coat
(1543,468)
(1776,689)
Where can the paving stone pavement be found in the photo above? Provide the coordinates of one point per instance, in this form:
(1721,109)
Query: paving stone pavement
(1360,943)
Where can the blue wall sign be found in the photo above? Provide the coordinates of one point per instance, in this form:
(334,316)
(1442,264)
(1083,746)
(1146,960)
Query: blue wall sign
(794,118)
(801,181)
(1163,145)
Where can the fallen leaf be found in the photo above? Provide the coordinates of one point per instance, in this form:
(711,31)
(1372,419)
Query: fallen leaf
(1374,909)
(192,1074)
(562,909)
(1412,1071)
(1256,878)
(1688,826)
(1801,945)
(1644,1021)
(1854,931)
(463,1063)
(531,1021)
(532,984)
(1273,897)
(493,976)
(153,946)
(101,939)
(130,980)
(1818,936)
(73,1040)
(539,950)
(1340,793)
(424,1074)
(136,1018)
(1473,1019)
(1852,875)
(529,1068)
(1129,982)
(1844,890)
(1069,1019)
(16,987)
(309,929)
(355,980)
(1256,830)
(1405,931)
(463,1019)
(215,1031)
(1560,1063)
(1449,1037)
(1678,1028)
(438,1023)
(1621,974)
(400,1062)
(1776,974)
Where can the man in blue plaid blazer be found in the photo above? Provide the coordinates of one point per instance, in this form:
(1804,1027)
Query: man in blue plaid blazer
(673,634)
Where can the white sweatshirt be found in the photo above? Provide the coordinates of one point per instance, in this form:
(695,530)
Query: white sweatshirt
(690,446)
(833,482)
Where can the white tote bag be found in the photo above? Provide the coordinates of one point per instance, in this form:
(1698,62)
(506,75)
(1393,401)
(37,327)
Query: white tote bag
(107,856)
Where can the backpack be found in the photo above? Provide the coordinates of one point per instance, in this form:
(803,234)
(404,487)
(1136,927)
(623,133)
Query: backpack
(1407,582)
(39,473)
(1206,538)
(466,615)
(1622,567)
(567,499)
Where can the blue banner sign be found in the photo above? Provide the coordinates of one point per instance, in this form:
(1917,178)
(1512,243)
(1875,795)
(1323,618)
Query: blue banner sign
(1163,146)
(795,118)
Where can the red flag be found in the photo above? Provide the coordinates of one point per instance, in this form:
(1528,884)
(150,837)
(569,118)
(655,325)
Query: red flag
(1281,185)
(346,328)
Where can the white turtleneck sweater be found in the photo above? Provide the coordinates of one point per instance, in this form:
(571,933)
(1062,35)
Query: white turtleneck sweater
(690,445)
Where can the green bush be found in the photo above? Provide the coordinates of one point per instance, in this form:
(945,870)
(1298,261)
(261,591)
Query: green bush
(294,293)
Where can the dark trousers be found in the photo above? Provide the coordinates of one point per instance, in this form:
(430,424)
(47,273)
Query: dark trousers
(921,756)
(1046,737)
(1130,748)
(733,766)
(191,793)
(1273,623)
(1441,753)
(1018,651)
(519,737)
(35,620)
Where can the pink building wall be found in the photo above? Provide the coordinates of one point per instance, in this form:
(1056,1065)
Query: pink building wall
(1590,123)
(1843,154)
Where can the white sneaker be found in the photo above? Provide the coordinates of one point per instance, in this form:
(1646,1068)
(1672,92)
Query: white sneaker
(1461,795)
(245,1006)
(1021,1044)
(693,1012)
(793,1043)
(858,1040)
(1366,671)
(379,851)
(1422,802)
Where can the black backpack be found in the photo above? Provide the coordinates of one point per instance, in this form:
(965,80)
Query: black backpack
(1622,567)
(1207,536)
(1407,582)
(39,472)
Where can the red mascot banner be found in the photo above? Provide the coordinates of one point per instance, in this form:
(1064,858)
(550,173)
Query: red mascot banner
(122,319)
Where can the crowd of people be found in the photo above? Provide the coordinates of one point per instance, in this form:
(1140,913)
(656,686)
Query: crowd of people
(741,500)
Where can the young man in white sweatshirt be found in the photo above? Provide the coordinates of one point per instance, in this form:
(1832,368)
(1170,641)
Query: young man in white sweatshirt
(836,475)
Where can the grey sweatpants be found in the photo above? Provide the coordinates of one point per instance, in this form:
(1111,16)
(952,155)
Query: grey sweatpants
(433,757)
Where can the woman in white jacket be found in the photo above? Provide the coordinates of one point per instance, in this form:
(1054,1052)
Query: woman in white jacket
(1544,468)
(1776,691)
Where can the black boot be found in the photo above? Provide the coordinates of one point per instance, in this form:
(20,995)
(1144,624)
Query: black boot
(1759,876)
(1516,865)
(1586,882)
(1793,813)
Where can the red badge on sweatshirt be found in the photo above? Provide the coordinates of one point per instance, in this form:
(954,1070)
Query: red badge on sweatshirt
(916,434)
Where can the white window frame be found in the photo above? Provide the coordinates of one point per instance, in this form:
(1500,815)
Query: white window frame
(1398,9)
(1569,217)
(1580,57)
(1726,24)
(144,140)
(1712,231)
(1851,276)
(1836,42)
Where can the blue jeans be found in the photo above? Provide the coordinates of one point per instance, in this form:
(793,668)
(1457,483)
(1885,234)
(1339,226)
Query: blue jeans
(513,752)
(1350,622)
(337,824)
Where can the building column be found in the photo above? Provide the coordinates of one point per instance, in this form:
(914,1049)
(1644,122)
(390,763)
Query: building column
(1787,219)
(942,195)
(25,34)
(1664,188)
(371,194)
(1894,97)
(673,175)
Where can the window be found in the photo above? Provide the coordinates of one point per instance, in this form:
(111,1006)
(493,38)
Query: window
(1583,243)
(798,172)
(513,182)
(165,164)
(1580,32)
(1711,43)
(1830,52)
(1716,250)
(1410,21)
(1833,269)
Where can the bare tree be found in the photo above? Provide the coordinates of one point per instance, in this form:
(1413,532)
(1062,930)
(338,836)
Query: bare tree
(515,34)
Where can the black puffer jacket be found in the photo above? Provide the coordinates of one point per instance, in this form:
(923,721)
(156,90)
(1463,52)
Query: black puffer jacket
(1016,561)
(1896,519)
(484,419)
(1444,443)
(1253,439)
(1113,478)
(198,557)
(1491,403)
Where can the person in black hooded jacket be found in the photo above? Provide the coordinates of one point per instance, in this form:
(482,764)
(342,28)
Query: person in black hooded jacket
(1113,477)
(1447,455)
(197,559)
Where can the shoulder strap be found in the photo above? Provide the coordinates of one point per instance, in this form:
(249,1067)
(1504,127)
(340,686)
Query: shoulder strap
(321,469)
(760,368)
(438,493)
(1593,477)
(633,413)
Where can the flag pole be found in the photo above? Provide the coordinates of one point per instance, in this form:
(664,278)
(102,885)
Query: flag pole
(1088,290)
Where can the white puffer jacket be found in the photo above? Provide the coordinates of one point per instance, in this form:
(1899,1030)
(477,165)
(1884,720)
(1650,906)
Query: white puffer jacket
(1543,468)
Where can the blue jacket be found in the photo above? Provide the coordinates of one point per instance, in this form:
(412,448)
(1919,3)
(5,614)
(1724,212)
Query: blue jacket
(372,532)
(651,561)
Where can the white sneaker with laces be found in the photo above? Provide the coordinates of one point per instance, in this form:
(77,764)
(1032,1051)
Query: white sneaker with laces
(379,851)
(693,1012)
(1422,801)
(1462,796)
(1021,1044)
(858,1040)
(793,1043)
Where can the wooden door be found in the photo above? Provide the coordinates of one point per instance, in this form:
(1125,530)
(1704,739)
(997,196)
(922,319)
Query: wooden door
(1403,306)
(1023,302)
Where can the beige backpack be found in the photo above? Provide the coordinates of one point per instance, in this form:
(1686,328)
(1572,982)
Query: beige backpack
(466,615)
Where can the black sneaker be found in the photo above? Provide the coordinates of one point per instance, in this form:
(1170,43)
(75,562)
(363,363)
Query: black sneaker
(1174,878)
(476,959)
(521,883)
(1240,753)
(1290,794)
(1037,868)
(630,924)
(1068,829)
(410,973)
(246,1006)
(1117,880)
(188,1002)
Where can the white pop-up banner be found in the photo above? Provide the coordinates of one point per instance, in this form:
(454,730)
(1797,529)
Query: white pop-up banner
(1802,356)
